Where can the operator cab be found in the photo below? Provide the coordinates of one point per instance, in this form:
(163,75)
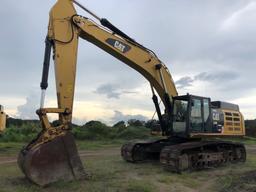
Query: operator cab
(191,114)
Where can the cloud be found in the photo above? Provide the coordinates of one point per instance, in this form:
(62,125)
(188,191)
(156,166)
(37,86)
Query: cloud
(216,76)
(79,121)
(28,110)
(119,116)
(219,37)
(110,90)
(184,82)
(212,77)
(240,17)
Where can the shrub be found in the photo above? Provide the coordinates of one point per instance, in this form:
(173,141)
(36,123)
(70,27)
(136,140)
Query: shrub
(250,128)
(136,123)
(133,133)
(24,133)
(93,130)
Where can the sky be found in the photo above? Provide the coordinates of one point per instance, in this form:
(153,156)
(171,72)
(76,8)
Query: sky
(208,46)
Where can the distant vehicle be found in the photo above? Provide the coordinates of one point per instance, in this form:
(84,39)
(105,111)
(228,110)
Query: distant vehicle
(2,119)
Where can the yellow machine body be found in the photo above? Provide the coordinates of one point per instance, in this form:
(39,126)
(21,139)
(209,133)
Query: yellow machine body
(232,124)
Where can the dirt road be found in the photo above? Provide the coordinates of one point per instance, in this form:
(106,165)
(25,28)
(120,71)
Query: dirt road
(83,154)
(251,149)
(111,173)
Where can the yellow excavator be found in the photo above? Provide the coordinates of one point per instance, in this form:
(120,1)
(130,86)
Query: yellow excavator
(2,119)
(187,123)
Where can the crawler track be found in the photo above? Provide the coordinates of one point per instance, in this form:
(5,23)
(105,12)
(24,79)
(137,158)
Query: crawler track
(179,155)
(137,151)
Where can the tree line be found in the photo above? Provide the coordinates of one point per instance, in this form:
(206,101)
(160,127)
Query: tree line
(25,130)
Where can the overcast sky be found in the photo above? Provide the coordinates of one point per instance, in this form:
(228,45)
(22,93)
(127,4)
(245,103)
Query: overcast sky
(209,47)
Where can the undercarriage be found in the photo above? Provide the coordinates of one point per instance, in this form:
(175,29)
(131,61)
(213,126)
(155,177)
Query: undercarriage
(180,154)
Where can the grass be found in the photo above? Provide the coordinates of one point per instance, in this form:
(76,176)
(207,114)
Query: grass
(143,186)
(95,145)
(10,148)
(239,180)
(246,140)
(111,174)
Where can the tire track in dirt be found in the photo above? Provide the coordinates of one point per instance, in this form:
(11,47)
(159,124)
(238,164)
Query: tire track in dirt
(82,153)
(251,149)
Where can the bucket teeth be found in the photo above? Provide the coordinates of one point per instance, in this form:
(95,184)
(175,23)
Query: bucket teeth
(53,161)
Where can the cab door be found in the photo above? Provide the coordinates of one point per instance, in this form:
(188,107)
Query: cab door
(207,115)
(196,115)
(200,121)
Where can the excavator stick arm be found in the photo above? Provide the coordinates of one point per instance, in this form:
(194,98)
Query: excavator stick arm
(53,155)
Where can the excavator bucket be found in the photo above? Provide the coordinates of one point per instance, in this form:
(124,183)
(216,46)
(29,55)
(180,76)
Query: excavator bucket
(57,160)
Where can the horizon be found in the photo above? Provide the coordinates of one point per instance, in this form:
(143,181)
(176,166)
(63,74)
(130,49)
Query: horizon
(104,122)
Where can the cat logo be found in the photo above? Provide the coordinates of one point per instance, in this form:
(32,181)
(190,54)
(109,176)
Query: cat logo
(118,45)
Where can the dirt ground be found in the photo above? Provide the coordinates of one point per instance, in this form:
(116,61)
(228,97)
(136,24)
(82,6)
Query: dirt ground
(82,153)
(110,173)
(114,151)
